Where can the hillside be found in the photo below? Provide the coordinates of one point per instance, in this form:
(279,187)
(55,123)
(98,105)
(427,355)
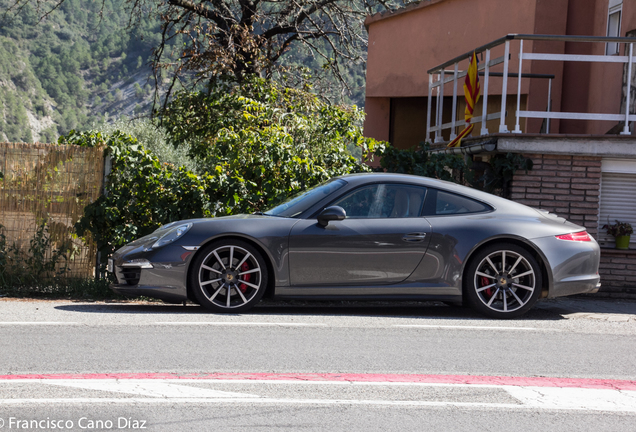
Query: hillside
(78,67)
(71,69)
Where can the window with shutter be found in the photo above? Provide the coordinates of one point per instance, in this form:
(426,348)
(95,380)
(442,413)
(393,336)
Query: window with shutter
(618,197)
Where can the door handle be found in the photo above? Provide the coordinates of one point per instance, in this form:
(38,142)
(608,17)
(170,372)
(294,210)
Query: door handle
(414,237)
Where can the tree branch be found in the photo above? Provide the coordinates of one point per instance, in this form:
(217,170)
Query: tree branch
(188,5)
(300,17)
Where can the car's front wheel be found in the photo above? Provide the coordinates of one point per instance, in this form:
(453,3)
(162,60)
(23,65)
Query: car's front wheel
(228,276)
(503,281)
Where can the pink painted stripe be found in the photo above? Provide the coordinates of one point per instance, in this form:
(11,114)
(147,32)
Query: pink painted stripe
(389,378)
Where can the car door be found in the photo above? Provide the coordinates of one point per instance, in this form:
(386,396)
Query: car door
(381,241)
(455,221)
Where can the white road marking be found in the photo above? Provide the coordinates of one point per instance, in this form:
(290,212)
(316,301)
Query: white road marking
(154,388)
(175,323)
(575,398)
(237,323)
(265,324)
(158,391)
(7,323)
(461,327)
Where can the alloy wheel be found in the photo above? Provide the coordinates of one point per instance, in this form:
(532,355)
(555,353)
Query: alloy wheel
(505,281)
(230,277)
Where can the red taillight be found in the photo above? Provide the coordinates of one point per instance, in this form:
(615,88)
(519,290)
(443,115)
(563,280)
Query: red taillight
(578,236)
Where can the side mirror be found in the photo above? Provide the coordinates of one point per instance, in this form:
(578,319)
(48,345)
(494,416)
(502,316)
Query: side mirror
(332,213)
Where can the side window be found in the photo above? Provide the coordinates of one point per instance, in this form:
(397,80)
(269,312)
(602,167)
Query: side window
(445,203)
(383,201)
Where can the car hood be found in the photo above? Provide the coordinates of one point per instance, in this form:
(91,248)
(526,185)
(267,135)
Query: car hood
(249,225)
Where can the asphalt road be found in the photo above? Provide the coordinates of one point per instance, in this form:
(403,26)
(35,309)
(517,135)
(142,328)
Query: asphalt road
(316,366)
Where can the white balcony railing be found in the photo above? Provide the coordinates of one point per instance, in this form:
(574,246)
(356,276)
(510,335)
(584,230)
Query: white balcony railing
(440,76)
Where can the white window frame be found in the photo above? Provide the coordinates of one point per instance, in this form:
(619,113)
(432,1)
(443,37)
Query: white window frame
(615,7)
(626,167)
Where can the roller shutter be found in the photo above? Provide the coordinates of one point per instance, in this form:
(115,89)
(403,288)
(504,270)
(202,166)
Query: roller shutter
(617,202)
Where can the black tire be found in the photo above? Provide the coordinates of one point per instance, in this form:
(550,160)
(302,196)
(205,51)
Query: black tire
(506,291)
(228,276)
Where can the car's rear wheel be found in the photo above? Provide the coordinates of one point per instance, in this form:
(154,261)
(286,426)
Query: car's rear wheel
(228,276)
(503,281)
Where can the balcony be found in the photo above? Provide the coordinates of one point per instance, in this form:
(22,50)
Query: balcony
(538,85)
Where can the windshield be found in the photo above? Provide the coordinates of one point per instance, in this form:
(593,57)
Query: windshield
(296,204)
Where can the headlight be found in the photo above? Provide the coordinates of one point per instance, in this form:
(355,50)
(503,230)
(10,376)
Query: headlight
(170,235)
(138,262)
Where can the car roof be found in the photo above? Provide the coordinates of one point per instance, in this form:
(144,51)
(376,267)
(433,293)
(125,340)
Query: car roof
(495,201)
(408,178)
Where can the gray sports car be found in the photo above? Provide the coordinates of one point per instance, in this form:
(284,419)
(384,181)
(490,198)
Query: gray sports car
(367,236)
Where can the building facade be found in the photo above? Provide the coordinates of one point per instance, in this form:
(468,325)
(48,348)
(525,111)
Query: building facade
(404,45)
(584,152)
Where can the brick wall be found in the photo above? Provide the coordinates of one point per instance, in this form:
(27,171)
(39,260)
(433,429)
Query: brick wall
(618,273)
(569,186)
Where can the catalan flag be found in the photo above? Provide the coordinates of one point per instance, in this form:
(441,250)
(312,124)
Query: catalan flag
(472,92)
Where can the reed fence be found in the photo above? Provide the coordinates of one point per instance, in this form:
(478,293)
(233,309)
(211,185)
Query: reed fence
(51,184)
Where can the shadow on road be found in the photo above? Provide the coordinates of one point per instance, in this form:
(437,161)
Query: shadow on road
(599,308)
(396,309)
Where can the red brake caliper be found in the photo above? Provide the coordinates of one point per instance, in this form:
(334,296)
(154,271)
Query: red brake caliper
(246,278)
(484,282)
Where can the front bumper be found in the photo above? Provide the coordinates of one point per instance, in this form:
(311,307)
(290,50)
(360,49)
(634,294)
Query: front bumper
(169,294)
(160,274)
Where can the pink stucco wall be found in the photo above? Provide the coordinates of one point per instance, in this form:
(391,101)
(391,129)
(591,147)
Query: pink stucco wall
(593,87)
(379,110)
(404,45)
(402,48)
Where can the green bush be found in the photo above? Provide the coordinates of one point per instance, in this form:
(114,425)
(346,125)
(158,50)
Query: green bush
(41,271)
(493,176)
(142,193)
(260,106)
(262,142)
(21,269)
(498,175)
(251,153)
(153,138)
(418,161)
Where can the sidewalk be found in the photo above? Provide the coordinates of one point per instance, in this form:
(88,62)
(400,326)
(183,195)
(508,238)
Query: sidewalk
(586,307)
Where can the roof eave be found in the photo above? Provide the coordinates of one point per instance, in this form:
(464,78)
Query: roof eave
(391,14)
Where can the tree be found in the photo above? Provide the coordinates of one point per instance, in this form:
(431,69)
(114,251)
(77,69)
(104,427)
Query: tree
(202,40)
(250,148)
(139,92)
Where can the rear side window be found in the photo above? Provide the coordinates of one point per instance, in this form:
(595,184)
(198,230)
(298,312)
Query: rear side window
(440,203)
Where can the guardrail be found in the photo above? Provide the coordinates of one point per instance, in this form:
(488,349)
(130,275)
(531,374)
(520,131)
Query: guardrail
(440,72)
